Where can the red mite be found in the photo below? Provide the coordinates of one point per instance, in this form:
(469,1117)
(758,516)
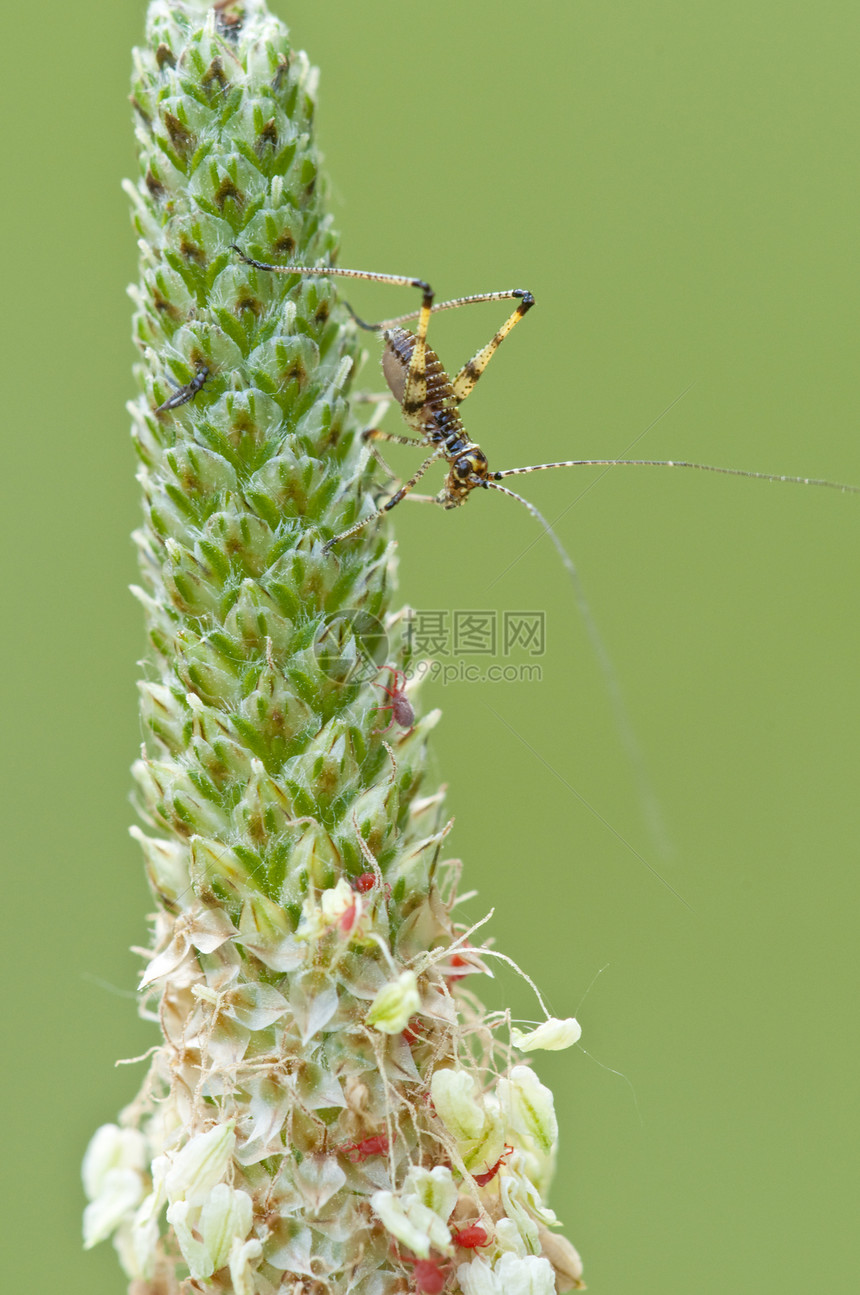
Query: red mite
(365,881)
(430,1277)
(483,1179)
(400,705)
(471,1237)
(458,961)
(377,1145)
(409,1034)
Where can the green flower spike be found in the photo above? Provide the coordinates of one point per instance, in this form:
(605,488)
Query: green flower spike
(304,966)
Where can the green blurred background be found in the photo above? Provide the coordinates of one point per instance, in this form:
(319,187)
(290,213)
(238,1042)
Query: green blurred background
(677,184)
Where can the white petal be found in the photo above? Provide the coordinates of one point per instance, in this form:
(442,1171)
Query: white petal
(522,1203)
(552,1036)
(211,928)
(336,901)
(530,1276)
(201,1164)
(394,1004)
(241,1275)
(121,1191)
(508,1237)
(226,1218)
(111,1148)
(529,1107)
(194,1253)
(390,1210)
(515,1198)
(135,1244)
(476,1278)
(453,1094)
(434,1188)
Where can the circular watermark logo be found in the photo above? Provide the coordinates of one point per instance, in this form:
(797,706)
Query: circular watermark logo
(351,646)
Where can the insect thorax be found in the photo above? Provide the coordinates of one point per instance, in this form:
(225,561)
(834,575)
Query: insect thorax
(436,419)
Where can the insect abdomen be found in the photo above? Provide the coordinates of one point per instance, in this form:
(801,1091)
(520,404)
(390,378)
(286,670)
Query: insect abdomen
(399,345)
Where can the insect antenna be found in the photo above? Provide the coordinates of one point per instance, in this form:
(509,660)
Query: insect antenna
(647,798)
(645,792)
(677,463)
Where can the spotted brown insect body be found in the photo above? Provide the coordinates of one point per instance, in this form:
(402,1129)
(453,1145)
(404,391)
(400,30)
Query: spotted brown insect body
(435,418)
(429,400)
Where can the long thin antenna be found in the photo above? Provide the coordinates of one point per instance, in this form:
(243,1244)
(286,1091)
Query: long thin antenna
(645,791)
(676,463)
(596,480)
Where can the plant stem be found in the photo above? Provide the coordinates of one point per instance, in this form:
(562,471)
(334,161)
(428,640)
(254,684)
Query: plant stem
(327,1110)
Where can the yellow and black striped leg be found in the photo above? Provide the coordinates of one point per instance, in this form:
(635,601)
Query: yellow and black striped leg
(388,505)
(453,304)
(465,380)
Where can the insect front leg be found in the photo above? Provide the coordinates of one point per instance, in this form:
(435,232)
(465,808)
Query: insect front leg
(388,505)
(377,434)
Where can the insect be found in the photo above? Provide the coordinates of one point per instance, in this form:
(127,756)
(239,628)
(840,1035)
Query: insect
(472,1237)
(365,881)
(182,395)
(376,1145)
(430,403)
(489,1175)
(399,705)
(430,1276)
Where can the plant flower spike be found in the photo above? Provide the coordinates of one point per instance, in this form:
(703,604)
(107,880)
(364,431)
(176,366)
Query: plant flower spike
(325,1111)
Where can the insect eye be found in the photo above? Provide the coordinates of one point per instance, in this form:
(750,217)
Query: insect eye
(463,467)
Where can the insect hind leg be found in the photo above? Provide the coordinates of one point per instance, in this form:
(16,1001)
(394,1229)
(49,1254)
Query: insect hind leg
(464,382)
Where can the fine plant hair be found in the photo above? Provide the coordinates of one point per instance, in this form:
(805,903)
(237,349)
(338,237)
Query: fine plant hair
(327,1108)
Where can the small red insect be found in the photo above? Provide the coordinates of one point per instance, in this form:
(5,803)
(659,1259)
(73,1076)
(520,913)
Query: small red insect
(400,705)
(457,961)
(471,1237)
(483,1179)
(409,1034)
(430,1276)
(365,881)
(376,1145)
